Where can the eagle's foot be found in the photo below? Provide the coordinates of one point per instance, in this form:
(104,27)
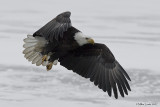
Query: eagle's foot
(49,66)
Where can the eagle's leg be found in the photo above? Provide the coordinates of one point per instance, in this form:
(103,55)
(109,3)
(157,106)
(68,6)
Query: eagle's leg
(52,58)
(55,62)
(44,58)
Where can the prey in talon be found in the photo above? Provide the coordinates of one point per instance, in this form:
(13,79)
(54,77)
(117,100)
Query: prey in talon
(59,41)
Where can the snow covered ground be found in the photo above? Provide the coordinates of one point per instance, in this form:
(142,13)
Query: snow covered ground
(130,28)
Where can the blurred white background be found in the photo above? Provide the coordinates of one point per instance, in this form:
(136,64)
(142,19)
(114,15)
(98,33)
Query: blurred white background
(130,28)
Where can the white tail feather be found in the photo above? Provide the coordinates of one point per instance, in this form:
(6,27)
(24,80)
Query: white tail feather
(32,57)
(30,36)
(33,48)
(30,40)
(27,45)
(38,63)
(36,59)
(28,50)
(28,54)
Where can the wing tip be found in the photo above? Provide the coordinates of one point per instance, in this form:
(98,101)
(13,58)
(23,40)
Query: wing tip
(116,97)
(65,14)
(129,89)
(129,79)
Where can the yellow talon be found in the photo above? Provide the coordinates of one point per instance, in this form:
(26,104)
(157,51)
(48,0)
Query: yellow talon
(44,58)
(49,66)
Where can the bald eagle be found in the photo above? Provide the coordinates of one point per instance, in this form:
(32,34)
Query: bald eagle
(59,41)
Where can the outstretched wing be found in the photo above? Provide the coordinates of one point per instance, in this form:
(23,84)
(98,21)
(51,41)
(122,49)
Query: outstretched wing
(98,63)
(55,28)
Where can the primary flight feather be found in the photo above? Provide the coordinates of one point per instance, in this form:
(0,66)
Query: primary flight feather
(59,41)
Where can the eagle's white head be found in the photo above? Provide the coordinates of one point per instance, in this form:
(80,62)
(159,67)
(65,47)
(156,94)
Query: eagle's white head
(82,40)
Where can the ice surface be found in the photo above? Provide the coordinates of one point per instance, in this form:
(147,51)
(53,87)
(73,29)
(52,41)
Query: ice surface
(130,28)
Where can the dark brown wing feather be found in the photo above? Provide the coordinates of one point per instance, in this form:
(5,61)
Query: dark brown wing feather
(55,28)
(98,63)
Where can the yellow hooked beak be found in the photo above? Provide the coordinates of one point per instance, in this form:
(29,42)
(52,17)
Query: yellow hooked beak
(90,40)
